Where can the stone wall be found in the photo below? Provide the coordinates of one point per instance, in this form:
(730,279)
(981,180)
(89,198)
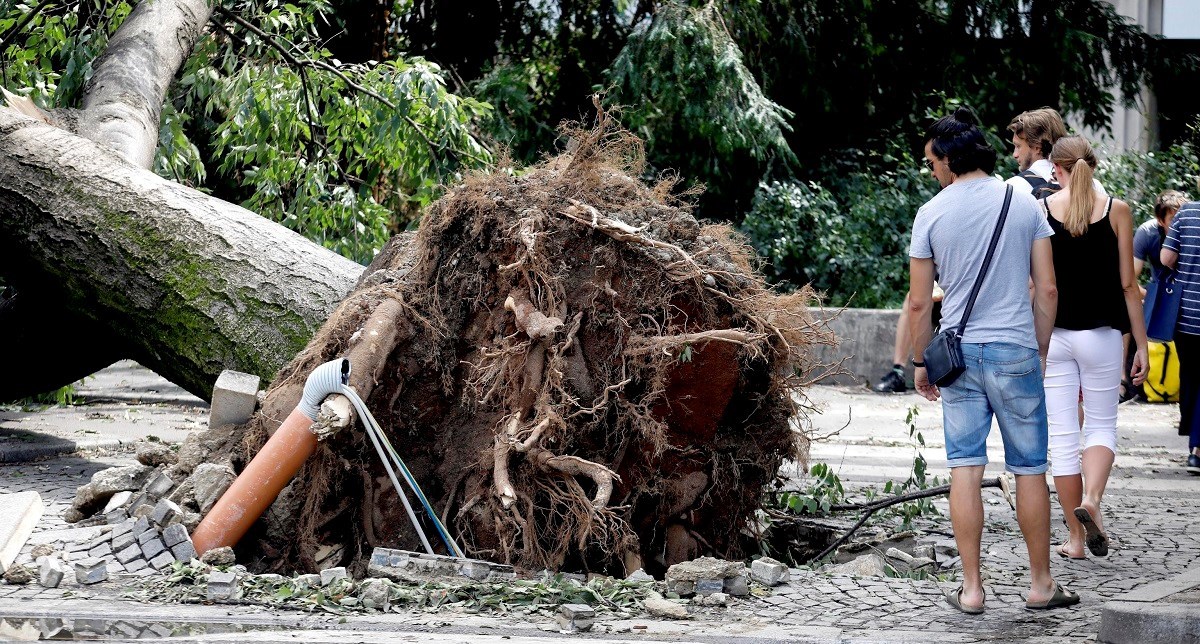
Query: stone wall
(866,340)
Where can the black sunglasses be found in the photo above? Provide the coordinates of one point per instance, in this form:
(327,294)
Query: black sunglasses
(928,163)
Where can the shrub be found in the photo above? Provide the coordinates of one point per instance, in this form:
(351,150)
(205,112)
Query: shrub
(850,242)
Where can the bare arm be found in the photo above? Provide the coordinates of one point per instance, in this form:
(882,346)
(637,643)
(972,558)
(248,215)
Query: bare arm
(1045,292)
(920,323)
(1168,258)
(1122,222)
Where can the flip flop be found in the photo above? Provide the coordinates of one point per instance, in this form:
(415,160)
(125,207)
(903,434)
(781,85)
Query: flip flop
(1063,553)
(1097,541)
(1062,597)
(955,600)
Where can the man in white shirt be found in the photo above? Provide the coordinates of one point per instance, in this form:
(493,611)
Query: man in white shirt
(1033,135)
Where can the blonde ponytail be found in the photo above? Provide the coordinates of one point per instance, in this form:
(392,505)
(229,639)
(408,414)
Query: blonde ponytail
(1069,152)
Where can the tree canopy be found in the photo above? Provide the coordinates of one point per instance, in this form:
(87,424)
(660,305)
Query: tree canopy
(343,119)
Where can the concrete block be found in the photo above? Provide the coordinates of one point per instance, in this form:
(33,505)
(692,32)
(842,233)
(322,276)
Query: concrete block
(681,587)
(184,551)
(160,486)
(91,571)
(174,535)
(164,511)
(163,560)
(330,575)
(234,398)
(101,551)
(19,513)
(135,565)
(209,482)
(767,571)
(50,572)
(148,535)
(639,576)
(115,516)
(738,586)
(124,541)
(477,570)
(138,500)
(118,500)
(123,528)
(305,582)
(706,587)
(152,548)
(222,585)
(129,553)
(576,617)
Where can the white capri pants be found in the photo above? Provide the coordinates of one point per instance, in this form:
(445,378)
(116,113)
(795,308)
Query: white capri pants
(1092,360)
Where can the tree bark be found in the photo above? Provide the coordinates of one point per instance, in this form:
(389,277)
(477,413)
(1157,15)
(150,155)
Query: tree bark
(191,284)
(123,99)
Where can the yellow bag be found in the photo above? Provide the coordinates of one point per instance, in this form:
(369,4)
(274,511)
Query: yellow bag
(1162,383)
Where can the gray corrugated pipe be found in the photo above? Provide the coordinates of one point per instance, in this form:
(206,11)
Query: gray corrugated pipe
(324,381)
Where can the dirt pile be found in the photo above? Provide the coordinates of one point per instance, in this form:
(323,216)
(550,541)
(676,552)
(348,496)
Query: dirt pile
(578,373)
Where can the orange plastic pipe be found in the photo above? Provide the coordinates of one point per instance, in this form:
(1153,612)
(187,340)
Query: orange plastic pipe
(255,490)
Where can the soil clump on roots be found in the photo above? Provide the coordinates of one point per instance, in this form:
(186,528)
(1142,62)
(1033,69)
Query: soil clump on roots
(579,374)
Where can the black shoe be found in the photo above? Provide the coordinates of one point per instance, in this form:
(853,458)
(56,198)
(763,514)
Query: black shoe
(1127,391)
(891,383)
(1193,464)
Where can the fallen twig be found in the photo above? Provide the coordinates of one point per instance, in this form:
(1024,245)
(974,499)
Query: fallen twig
(872,507)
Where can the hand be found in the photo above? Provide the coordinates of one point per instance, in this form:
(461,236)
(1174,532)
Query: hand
(1141,366)
(928,390)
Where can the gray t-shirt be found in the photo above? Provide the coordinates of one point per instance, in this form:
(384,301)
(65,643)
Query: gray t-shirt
(955,229)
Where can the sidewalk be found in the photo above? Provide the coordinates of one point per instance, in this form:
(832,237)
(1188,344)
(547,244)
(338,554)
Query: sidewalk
(1150,513)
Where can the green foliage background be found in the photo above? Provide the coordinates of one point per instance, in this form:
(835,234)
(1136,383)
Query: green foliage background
(802,119)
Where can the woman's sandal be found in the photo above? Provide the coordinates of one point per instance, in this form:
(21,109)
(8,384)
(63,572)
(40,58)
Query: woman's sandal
(1096,540)
(955,600)
(1062,597)
(1062,552)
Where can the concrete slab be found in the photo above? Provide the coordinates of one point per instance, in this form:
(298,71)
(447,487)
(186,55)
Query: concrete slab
(1149,623)
(1164,612)
(19,513)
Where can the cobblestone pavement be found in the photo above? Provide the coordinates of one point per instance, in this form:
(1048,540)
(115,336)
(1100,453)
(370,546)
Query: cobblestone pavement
(1149,512)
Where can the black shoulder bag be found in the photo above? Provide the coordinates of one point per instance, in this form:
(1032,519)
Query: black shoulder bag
(943,356)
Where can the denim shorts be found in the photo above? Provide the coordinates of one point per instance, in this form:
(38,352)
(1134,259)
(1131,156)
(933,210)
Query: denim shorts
(1003,379)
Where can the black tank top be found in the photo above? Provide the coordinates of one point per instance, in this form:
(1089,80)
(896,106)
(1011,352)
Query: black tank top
(1088,271)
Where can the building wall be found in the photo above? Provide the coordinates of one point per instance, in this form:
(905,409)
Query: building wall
(1133,128)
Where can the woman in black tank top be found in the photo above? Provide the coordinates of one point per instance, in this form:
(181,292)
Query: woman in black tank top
(1098,301)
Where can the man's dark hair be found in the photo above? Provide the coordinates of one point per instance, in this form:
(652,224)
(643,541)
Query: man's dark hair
(958,139)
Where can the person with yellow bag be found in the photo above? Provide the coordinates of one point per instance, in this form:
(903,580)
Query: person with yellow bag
(1162,384)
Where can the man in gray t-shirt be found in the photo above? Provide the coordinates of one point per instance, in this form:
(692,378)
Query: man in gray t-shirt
(1003,340)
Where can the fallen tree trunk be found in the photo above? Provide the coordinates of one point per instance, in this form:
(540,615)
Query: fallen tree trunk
(191,285)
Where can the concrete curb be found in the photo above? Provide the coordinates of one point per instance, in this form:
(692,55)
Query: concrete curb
(379,629)
(1146,615)
(51,447)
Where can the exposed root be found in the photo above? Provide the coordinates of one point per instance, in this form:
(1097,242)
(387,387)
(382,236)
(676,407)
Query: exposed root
(571,366)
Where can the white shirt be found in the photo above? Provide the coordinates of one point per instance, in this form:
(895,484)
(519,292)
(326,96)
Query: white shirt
(1044,169)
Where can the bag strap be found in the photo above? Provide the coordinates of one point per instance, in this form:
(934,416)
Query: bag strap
(987,260)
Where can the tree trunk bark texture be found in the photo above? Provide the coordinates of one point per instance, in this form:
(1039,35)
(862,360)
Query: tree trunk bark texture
(189,285)
(123,99)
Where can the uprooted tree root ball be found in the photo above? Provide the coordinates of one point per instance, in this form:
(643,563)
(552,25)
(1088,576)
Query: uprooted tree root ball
(579,375)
